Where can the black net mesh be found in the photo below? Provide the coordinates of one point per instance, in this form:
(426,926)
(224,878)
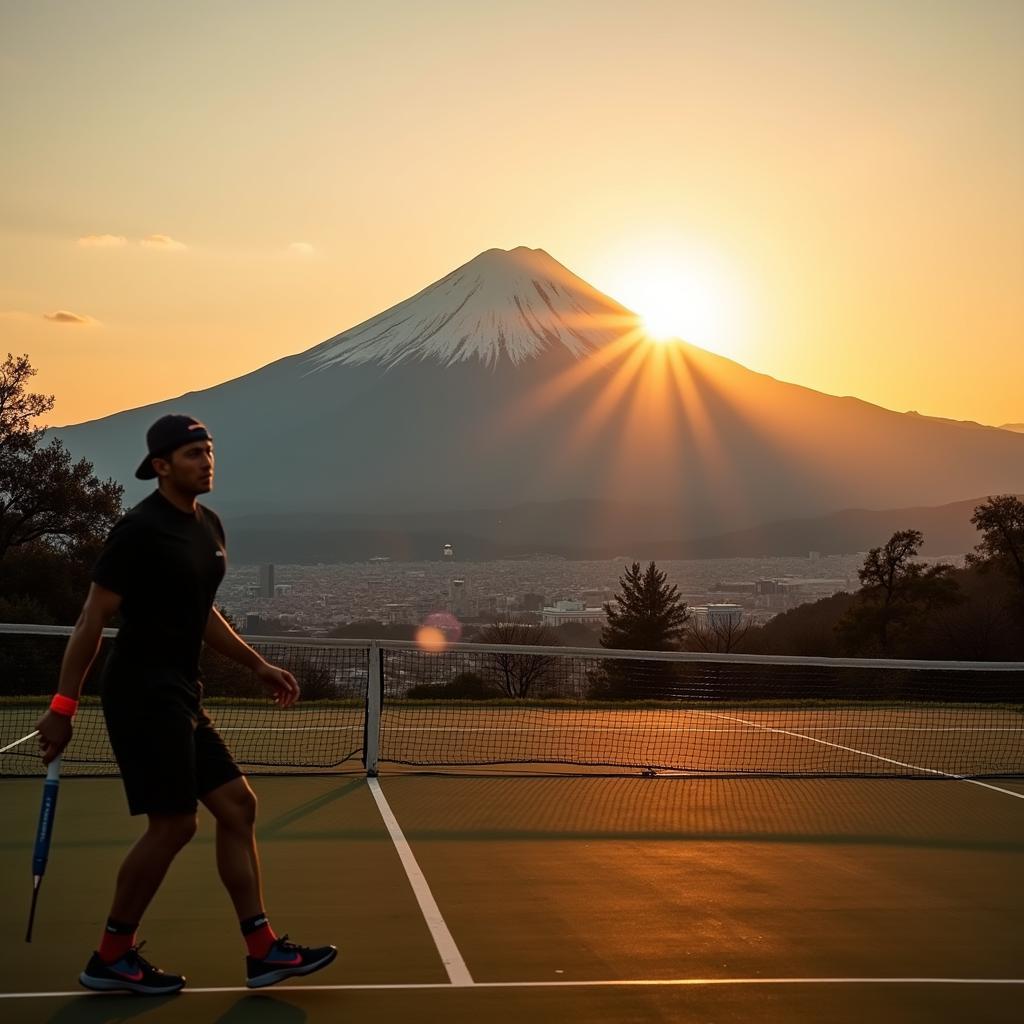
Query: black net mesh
(459,708)
(484,707)
(325,731)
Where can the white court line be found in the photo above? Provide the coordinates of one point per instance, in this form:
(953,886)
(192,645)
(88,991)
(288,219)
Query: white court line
(287,728)
(458,972)
(618,983)
(753,726)
(877,757)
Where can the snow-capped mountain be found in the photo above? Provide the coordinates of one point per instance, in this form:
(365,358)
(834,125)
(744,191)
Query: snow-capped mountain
(512,305)
(512,382)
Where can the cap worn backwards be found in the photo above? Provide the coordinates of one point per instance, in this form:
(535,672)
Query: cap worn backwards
(167,434)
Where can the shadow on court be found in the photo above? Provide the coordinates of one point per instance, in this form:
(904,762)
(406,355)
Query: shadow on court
(254,1009)
(720,893)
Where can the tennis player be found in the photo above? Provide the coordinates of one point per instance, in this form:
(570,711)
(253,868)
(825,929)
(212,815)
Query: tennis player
(160,568)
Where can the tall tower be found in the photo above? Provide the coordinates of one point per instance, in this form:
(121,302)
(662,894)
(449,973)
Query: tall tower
(266,581)
(458,597)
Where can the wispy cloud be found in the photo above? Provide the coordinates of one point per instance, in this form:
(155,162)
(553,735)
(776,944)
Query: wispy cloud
(63,316)
(301,249)
(164,242)
(102,241)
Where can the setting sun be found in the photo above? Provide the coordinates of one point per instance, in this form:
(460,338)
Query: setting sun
(681,298)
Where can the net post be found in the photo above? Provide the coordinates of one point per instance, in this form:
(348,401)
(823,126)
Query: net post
(374,691)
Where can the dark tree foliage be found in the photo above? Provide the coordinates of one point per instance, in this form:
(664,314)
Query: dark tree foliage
(44,496)
(30,665)
(53,582)
(223,677)
(806,631)
(716,637)
(371,629)
(896,592)
(464,686)
(519,675)
(578,634)
(1000,520)
(983,626)
(647,615)
(54,513)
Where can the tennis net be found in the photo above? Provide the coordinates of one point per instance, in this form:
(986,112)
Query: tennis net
(376,703)
(324,732)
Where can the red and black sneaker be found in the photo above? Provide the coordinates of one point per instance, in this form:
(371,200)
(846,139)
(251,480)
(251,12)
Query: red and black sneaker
(132,973)
(286,960)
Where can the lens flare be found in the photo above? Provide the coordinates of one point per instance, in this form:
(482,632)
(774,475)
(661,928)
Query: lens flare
(438,630)
(431,639)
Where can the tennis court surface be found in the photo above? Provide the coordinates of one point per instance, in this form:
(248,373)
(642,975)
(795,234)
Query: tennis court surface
(883,885)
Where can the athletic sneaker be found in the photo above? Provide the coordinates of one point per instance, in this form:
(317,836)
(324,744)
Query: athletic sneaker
(286,960)
(132,973)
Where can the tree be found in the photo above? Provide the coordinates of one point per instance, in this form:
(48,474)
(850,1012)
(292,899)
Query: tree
(371,629)
(44,496)
(896,593)
(518,674)
(718,636)
(809,630)
(1000,520)
(647,615)
(578,634)
(463,686)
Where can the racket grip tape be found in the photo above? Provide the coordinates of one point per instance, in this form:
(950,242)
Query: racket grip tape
(47,811)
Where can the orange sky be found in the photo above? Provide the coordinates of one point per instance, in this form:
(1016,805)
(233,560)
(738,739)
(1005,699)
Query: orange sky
(831,193)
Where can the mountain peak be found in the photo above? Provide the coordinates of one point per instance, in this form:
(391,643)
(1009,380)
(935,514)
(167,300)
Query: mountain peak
(515,304)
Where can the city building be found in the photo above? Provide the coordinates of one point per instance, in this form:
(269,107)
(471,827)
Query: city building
(572,611)
(784,592)
(717,616)
(266,584)
(458,597)
(396,613)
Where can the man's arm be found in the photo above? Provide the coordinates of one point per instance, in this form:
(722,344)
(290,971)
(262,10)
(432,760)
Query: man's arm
(99,608)
(223,639)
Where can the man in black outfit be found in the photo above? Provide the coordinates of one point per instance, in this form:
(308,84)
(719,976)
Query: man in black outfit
(160,568)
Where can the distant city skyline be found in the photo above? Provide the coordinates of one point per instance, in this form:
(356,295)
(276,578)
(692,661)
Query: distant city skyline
(829,193)
(319,597)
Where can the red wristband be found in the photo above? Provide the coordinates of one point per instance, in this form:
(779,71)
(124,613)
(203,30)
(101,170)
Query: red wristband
(64,705)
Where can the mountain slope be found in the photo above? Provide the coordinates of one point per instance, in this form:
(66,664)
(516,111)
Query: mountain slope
(427,408)
(568,529)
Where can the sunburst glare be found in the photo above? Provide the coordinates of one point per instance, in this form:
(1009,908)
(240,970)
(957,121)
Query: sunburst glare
(681,298)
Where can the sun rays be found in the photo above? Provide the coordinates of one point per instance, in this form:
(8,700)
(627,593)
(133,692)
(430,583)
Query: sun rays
(642,411)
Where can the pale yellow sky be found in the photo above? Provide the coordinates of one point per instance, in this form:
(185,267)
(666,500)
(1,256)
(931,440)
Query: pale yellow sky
(838,187)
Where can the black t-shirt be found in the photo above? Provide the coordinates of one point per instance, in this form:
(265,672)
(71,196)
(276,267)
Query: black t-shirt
(166,565)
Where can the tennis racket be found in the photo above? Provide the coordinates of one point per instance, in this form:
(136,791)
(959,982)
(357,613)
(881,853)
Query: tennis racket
(18,743)
(44,831)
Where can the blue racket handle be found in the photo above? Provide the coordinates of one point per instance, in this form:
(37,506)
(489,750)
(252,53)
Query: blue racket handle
(47,812)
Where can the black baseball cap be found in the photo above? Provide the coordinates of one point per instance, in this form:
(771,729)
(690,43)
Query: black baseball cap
(168,433)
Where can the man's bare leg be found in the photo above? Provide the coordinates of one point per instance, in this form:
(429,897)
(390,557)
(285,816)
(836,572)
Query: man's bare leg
(270,959)
(147,862)
(116,965)
(233,805)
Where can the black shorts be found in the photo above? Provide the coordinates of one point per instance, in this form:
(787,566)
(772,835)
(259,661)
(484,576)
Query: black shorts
(167,748)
